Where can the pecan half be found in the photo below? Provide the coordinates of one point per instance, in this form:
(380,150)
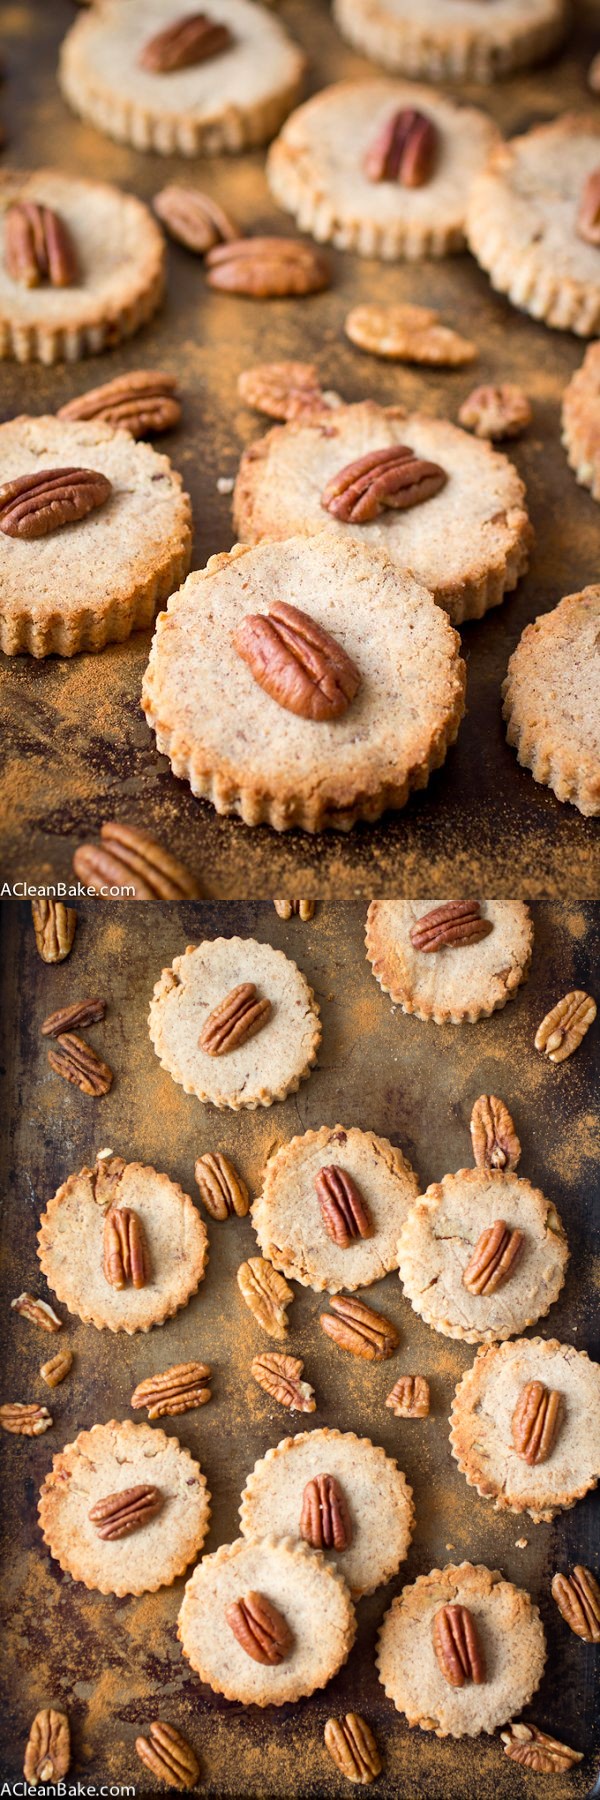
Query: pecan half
(280,1377)
(454,922)
(25,1421)
(357,1328)
(118,1514)
(267,268)
(125,1249)
(192,39)
(495,1142)
(142,403)
(38,1311)
(38,246)
(532,1748)
(325,1520)
(404,149)
(75,1060)
(344,1212)
(457,1646)
(578,1599)
(261,1630)
(563,1028)
(301,909)
(48,1750)
(266,1294)
(38,504)
(535,1421)
(168,1755)
(221,1188)
(128,857)
(236,1019)
(192,218)
(299,664)
(588,217)
(407,333)
(54,925)
(493,1259)
(496,412)
(282,390)
(409,1399)
(82,1012)
(178,1390)
(57,1368)
(353,1749)
(396,478)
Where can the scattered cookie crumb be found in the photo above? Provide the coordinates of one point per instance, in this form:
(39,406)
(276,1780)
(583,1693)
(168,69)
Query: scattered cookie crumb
(226,484)
(521,1543)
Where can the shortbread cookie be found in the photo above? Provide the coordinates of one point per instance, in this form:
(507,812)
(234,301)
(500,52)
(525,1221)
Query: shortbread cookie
(313,1609)
(524,222)
(438,1241)
(482,1428)
(241,749)
(316,170)
(101,1464)
(552,700)
(510,1643)
(581,421)
(468,543)
(93,582)
(72,1245)
(460,981)
(119,256)
(377,1496)
(344,1243)
(259,1068)
(462,42)
(226,101)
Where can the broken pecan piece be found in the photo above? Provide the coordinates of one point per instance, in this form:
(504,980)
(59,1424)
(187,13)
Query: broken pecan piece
(454,922)
(128,857)
(266,1293)
(495,1142)
(38,246)
(192,39)
(267,268)
(192,218)
(221,1188)
(396,478)
(353,1749)
(82,1012)
(38,1311)
(357,1328)
(25,1421)
(280,1377)
(142,402)
(578,1599)
(299,664)
(457,1646)
(125,1249)
(588,217)
(532,1748)
(496,412)
(178,1390)
(54,925)
(409,1399)
(344,1212)
(168,1755)
(563,1028)
(404,149)
(48,1750)
(302,909)
(75,1060)
(493,1259)
(282,390)
(37,504)
(118,1514)
(325,1520)
(261,1630)
(407,333)
(535,1421)
(57,1368)
(236,1019)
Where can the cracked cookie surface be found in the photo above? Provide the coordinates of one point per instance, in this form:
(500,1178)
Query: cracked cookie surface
(377,1495)
(288,1219)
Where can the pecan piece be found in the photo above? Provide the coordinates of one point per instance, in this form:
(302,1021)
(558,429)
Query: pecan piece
(357,1328)
(125,1249)
(454,922)
(75,1060)
(192,218)
(38,1311)
(535,1421)
(118,1514)
(496,412)
(266,1293)
(409,1399)
(267,268)
(221,1188)
(280,1378)
(37,504)
(404,149)
(82,1012)
(282,390)
(493,1259)
(301,909)
(563,1028)
(344,1212)
(353,1749)
(38,246)
(261,1630)
(142,402)
(588,217)
(168,1755)
(325,1520)
(54,926)
(178,1390)
(495,1142)
(578,1599)
(57,1368)
(457,1646)
(48,1750)
(25,1421)
(128,857)
(299,664)
(532,1748)
(407,333)
(236,1019)
(192,39)
(396,478)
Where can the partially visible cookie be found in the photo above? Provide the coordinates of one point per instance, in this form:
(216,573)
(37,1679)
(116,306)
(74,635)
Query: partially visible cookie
(510,1639)
(530,222)
(465,42)
(380,1529)
(458,980)
(484,1433)
(333,1242)
(552,700)
(438,1242)
(581,421)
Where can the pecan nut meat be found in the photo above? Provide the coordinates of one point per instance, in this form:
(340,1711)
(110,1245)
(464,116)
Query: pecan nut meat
(280,1377)
(126,1255)
(57,1368)
(128,857)
(38,246)
(455,922)
(260,1628)
(266,1293)
(345,1213)
(178,1390)
(81,1013)
(496,412)
(588,217)
(407,333)
(222,1190)
(395,478)
(493,1260)
(353,1748)
(267,268)
(118,1514)
(457,1647)
(237,1018)
(301,666)
(36,505)
(562,1030)
(301,909)
(54,925)
(48,1749)
(143,402)
(355,1327)
(192,39)
(192,218)
(535,1422)
(38,1311)
(169,1756)
(75,1060)
(578,1599)
(324,1519)
(24,1420)
(282,390)
(532,1748)
(410,1397)
(404,149)
(495,1142)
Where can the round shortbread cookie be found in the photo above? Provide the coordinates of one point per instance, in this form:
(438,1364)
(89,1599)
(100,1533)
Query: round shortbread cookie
(289,1224)
(581,421)
(462,42)
(522,223)
(511,1640)
(552,700)
(481,1426)
(377,1495)
(461,982)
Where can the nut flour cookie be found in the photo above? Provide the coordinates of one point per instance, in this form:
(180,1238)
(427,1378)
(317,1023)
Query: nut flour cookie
(581,421)
(509,1645)
(247,753)
(504,1462)
(552,700)
(94,581)
(438,1242)
(318,169)
(456,981)
(145,1541)
(75,1251)
(464,42)
(252,1068)
(289,1588)
(377,1535)
(117,271)
(468,542)
(338,1229)
(526,218)
(114,73)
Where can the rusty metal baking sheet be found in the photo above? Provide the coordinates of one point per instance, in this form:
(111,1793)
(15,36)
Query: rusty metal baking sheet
(116,1664)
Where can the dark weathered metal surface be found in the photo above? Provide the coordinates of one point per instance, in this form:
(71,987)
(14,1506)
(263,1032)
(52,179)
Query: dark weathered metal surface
(115,1664)
(79,748)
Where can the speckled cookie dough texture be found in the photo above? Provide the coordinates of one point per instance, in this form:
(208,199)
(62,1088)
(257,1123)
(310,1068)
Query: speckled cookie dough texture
(511,1638)
(522,223)
(456,985)
(288,1220)
(316,170)
(438,1239)
(102,1462)
(581,421)
(229,102)
(481,1426)
(552,700)
(312,1598)
(267,1067)
(377,1494)
(462,42)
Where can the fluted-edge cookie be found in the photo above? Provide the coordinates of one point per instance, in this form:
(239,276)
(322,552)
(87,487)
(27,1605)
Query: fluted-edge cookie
(459,983)
(552,700)
(381,1531)
(470,42)
(481,1429)
(288,1219)
(511,1642)
(522,223)
(438,1240)
(581,421)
